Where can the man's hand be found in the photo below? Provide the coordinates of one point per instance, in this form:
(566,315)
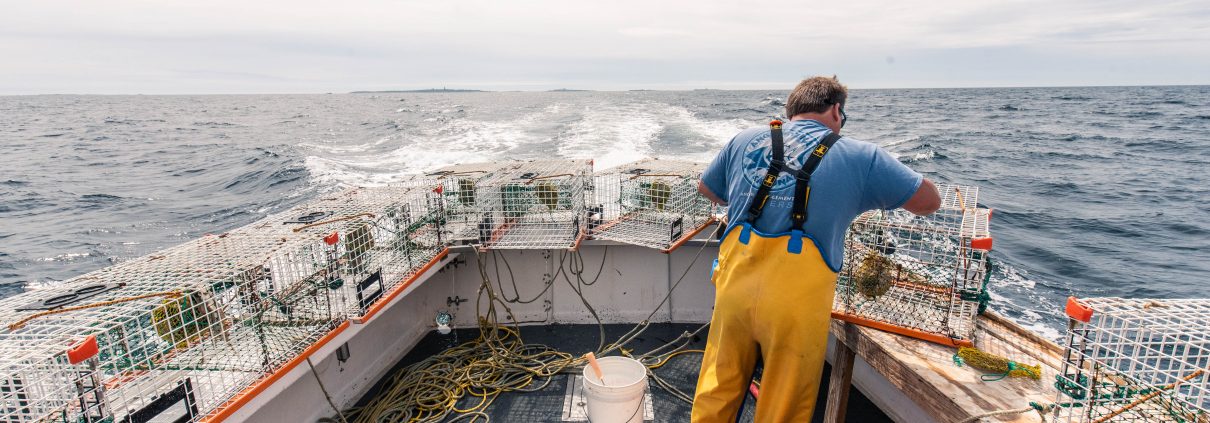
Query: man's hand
(701,187)
(924,202)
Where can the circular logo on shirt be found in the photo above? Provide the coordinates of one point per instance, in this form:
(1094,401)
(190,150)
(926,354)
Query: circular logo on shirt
(758,153)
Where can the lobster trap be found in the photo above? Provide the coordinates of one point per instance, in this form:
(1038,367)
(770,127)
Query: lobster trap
(651,203)
(373,238)
(185,330)
(920,276)
(530,205)
(458,185)
(1136,360)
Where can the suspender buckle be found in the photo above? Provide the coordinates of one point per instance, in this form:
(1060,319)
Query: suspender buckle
(820,150)
(775,168)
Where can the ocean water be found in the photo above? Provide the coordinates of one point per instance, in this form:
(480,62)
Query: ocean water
(1096,191)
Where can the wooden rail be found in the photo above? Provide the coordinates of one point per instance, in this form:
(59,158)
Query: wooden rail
(925,373)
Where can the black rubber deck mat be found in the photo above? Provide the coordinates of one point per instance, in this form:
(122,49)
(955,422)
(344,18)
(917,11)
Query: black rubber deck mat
(546,405)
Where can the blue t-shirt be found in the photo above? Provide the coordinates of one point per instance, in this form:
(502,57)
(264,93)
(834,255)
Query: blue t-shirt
(854,176)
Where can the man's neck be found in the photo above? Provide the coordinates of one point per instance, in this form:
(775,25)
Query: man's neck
(821,118)
(814,117)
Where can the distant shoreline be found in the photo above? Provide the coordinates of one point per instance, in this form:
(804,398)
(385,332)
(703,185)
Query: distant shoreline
(454,90)
(427,90)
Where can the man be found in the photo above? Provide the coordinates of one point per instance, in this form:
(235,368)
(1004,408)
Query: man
(791,194)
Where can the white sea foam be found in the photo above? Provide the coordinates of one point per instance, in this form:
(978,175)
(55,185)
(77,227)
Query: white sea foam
(344,148)
(908,157)
(1014,277)
(621,133)
(454,140)
(900,141)
(65,257)
(1039,313)
(1048,332)
(714,133)
(718,131)
(611,135)
(330,171)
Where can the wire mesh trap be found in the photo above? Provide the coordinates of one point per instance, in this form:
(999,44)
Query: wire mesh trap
(921,276)
(458,185)
(184,330)
(525,205)
(1136,360)
(651,203)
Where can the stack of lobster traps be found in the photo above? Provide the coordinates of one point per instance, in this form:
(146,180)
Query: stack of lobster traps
(517,205)
(187,329)
(190,331)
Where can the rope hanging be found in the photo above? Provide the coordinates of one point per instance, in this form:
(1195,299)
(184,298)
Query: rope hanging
(21,323)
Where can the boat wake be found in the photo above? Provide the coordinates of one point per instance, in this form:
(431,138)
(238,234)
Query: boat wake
(610,133)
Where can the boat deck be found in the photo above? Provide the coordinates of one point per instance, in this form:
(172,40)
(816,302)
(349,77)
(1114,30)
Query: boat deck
(551,403)
(929,382)
(894,378)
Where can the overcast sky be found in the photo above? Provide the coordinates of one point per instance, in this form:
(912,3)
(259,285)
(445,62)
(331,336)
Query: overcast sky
(276,46)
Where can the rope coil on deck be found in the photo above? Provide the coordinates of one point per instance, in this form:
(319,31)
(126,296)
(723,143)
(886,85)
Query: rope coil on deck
(499,361)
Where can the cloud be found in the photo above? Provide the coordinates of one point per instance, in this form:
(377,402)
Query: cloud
(653,32)
(127,46)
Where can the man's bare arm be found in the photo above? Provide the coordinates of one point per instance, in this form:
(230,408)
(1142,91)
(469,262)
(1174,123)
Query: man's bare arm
(702,188)
(925,201)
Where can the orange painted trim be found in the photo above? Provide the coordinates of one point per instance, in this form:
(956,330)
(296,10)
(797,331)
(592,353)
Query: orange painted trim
(382,302)
(900,330)
(689,236)
(239,400)
(576,246)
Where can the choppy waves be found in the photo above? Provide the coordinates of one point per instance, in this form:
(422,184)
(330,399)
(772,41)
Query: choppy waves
(1098,191)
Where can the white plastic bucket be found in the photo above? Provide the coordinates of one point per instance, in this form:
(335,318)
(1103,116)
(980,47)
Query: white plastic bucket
(620,398)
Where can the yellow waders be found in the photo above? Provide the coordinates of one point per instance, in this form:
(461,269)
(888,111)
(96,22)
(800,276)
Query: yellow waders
(773,297)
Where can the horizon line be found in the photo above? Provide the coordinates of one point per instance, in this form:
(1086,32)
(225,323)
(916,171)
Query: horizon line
(570,89)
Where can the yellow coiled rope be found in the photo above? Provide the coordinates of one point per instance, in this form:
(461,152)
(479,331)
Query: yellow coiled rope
(499,361)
